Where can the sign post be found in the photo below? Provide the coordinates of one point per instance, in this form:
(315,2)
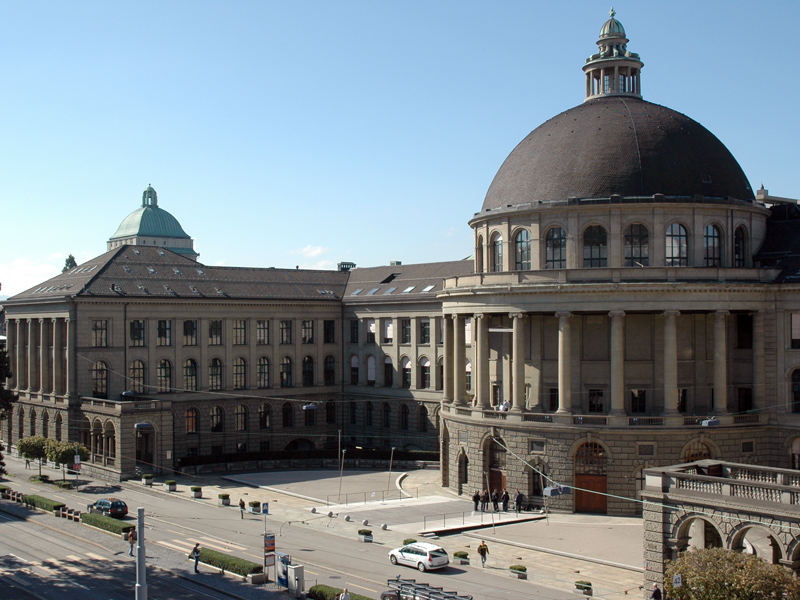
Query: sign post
(77,466)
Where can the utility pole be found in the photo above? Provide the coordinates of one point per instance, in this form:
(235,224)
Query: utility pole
(141,573)
(391,460)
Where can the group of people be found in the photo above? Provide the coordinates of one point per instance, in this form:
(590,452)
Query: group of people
(496,498)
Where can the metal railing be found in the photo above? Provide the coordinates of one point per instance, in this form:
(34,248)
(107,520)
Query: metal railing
(366,497)
(460,518)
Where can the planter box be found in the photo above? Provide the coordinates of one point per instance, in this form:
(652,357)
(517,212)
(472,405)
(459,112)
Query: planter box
(518,574)
(197,494)
(583,591)
(366,538)
(463,561)
(257,578)
(172,487)
(147,481)
(254,509)
(224,501)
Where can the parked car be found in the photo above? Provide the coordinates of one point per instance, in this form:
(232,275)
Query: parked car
(110,507)
(422,555)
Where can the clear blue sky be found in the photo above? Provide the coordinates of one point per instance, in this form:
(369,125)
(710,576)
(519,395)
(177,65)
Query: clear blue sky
(312,132)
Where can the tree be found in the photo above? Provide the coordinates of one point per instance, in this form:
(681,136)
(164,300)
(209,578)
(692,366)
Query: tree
(33,448)
(2,462)
(69,264)
(719,574)
(63,453)
(7,399)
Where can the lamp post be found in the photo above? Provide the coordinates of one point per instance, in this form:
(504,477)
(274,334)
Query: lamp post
(391,460)
(341,470)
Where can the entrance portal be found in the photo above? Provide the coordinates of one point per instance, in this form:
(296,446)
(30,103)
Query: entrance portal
(590,479)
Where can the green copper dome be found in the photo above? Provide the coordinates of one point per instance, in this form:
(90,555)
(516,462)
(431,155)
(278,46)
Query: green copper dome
(612,28)
(150,221)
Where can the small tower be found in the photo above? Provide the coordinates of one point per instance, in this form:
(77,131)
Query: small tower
(149,197)
(614,71)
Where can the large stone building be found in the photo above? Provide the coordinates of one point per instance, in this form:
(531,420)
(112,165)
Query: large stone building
(626,283)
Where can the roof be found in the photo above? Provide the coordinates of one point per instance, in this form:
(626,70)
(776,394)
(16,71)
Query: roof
(402,282)
(141,271)
(617,145)
(150,221)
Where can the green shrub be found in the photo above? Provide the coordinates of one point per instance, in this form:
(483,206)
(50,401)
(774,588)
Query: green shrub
(196,488)
(223,496)
(520,568)
(228,563)
(408,541)
(64,485)
(460,554)
(147,476)
(39,478)
(365,532)
(4,487)
(42,502)
(583,585)
(254,503)
(106,523)
(170,482)
(326,592)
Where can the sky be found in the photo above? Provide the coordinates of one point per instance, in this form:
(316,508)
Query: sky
(307,133)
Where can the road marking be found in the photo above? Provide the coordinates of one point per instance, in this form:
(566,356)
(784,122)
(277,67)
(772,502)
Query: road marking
(237,547)
(173,531)
(96,556)
(219,547)
(74,558)
(173,546)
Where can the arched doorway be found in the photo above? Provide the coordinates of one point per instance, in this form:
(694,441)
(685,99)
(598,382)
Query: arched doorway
(495,461)
(536,483)
(463,472)
(590,478)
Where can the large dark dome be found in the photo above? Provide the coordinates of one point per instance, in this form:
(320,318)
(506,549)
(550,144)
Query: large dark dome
(617,145)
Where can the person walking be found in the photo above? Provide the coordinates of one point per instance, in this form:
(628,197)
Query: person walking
(504,498)
(27,463)
(132,536)
(483,552)
(656,595)
(196,556)
(496,501)
(345,595)
(484,500)
(518,501)
(241,507)
(476,497)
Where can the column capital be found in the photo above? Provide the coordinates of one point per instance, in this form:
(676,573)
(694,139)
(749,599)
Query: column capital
(480,315)
(671,313)
(616,313)
(563,315)
(516,315)
(721,313)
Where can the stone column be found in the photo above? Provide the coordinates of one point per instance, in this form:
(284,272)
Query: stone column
(447,395)
(460,361)
(58,357)
(482,358)
(44,355)
(617,362)
(22,355)
(564,364)
(69,380)
(33,375)
(759,361)
(720,362)
(13,348)
(518,361)
(670,361)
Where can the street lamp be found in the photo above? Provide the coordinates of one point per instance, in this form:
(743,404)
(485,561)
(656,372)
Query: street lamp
(391,459)
(341,470)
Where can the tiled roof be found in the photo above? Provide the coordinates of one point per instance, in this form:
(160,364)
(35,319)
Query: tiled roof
(397,282)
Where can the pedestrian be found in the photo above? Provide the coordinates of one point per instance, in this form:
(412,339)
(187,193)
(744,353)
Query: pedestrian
(483,551)
(27,463)
(345,595)
(241,507)
(656,595)
(196,556)
(518,498)
(131,536)
(504,498)
(476,497)
(496,501)
(484,500)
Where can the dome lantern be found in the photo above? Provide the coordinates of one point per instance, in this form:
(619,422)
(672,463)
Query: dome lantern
(614,70)
(149,197)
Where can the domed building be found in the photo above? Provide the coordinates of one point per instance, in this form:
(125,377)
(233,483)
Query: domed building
(151,225)
(619,300)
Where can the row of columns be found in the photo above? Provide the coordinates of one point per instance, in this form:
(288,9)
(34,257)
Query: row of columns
(455,361)
(39,351)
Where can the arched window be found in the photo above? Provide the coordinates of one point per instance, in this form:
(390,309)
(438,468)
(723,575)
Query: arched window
(595,247)
(370,370)
(353,413)
(440,374)
(45,424)
(405,367)
(329,370)
(191,416)
(522,251)
(388,372)
(59,422)
(353,370)
(308,371)
(100,379)
(239,374)
(796,391)
(479,255)
(423,419)
(469,376)
(424,381)
(677,248)
(637,246)
(288,415)
(711,246)
(164,376)
(555,249)
(387,416)
(263,372)
(264,416)
(240,414)
(697,450)
(217,419)
(32,419)
(404,417)
(190,375)
(138,375)
(740,247)
(215,374)
(286,372)
(330,412)
(496,256)
(368,413)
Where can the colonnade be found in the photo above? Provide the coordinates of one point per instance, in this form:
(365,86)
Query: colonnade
(39,351)
(455,361)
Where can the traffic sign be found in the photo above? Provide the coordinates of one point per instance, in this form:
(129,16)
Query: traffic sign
(676,580)
(269,542)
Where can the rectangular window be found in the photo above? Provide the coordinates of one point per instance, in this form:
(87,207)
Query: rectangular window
(308,332)
(646,450)
(463,438)
(425,331)
(536,447)
(638,401)
(745,399)
(553,400)
(100,334)
(424,377)
(682,400)
(190,333)
(240,332)
(744,331)
(405,331)
(370,331)
(262,333)
(354,331)
(286,332)
(595,401)
(748,447)
(468,331)
(137,333)
(388,331)
(164,332)
(215,333)
(329,332)
(388,374)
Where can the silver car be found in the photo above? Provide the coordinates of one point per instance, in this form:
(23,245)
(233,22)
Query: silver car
(422,555)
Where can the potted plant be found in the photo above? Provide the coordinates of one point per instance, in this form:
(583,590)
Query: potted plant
(365,535)
(254,506)
(224,499)
(462,557)
(197,491)
(518,571)
(408,541)
(147,479)
(584,586)
(171,484)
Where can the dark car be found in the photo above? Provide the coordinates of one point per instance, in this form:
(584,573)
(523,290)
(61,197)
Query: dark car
(110,507)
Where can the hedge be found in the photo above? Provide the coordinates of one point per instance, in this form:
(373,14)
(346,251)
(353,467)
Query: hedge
(408,541)
(106,523)
(365,532)
(521,568)
(326,592)
(147,476)
(228,563)
(196,488)
(460,554)
(64,485)
(223,496)
(253,503)
(170,482)
(39,478)
(42,502)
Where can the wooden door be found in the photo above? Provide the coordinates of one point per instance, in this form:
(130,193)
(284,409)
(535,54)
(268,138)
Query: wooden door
(586,501)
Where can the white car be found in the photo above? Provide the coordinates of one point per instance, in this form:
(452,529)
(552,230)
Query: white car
(421,555)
